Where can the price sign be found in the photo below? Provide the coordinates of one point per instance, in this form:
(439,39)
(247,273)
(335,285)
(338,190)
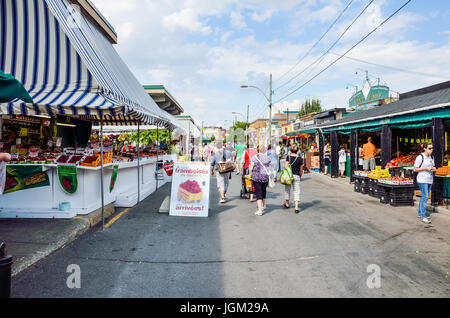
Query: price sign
(23,132)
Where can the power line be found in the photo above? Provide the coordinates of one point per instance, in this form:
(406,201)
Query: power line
(340,57)
(315,44)
(391,67)
(332,46)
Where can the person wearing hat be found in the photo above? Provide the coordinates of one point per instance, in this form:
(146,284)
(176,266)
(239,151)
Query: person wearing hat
(223,180)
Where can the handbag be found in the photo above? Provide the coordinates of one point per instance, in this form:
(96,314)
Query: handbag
(287,177)
(271,182)
(225,166)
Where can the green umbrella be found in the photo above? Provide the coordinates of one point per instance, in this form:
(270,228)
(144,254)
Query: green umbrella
(11,88)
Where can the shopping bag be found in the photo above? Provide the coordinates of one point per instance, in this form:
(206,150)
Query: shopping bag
(287,178)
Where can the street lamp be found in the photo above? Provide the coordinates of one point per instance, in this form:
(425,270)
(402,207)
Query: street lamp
(269,99)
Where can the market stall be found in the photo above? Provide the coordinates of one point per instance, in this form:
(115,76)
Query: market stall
(85,83)
(399,130)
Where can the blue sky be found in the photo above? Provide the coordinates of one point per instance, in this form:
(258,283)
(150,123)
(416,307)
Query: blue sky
(203,50)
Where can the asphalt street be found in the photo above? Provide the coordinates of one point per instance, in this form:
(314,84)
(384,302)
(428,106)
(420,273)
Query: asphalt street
(323,252)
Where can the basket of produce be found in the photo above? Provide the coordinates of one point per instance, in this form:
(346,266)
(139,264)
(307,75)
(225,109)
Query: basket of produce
(91,161)
(443,171)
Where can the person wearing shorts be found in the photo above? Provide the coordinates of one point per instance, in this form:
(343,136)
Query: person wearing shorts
(369,152)
(296,164)
(342,161)
(327,156)
(223,180)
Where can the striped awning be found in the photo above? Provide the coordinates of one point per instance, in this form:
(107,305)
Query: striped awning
(69,67)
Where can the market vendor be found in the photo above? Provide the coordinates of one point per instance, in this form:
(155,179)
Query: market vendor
(127,147)
(368,153)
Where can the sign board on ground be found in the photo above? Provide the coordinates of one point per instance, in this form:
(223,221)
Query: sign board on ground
(190,189)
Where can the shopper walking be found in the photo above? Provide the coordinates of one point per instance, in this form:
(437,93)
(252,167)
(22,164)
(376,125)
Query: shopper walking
(296,164)
(278,151)
(425,169)
(259,168)
(223,179)
(342,161)
(271,153)
(240,149)
(369,152)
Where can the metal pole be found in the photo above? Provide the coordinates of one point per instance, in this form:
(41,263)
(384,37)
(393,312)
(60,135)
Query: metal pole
(157,153)
(270,114)
(246,126)
(139,162)
(101,173)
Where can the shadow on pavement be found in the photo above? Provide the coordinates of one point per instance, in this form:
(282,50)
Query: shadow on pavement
(307,205)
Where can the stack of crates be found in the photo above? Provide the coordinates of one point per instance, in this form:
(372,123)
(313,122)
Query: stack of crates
(373,188)
(401,197)
(357,185)
(364,186)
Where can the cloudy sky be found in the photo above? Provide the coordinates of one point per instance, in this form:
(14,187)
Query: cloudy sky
(203,50)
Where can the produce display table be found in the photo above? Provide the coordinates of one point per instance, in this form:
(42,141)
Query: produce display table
(397,195)
(446,185)
(126,187)
(46,201)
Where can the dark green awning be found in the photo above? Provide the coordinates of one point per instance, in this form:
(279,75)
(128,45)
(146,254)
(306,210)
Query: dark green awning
(11,89)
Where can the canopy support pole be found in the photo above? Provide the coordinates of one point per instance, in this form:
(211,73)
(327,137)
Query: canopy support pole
(157,154)
(139,162)
(101,174)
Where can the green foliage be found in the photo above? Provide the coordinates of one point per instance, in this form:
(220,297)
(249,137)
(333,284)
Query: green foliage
(148,137)
(310,106)
(213,138)
(240,124)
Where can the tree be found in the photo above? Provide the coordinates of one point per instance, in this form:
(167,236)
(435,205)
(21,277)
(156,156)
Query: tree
(240,124)
(310,106)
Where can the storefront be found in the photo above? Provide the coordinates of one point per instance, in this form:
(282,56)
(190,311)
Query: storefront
(399,129)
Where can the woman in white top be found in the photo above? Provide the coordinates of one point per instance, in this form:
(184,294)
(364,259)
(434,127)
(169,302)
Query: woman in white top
(342,161)
(425,169)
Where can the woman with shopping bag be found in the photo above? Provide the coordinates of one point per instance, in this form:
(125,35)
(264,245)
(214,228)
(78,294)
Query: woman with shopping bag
(259,168)
(294,165)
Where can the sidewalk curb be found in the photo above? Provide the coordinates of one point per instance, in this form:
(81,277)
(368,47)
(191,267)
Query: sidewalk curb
(81,227)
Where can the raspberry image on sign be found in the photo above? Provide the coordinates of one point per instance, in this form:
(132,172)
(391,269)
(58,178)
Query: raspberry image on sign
(189,192)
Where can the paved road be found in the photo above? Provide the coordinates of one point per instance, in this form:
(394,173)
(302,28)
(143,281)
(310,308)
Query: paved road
(323,252)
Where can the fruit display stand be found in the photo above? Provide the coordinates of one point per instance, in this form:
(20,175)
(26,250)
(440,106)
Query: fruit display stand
(446,185)
(126,191)
(45,202)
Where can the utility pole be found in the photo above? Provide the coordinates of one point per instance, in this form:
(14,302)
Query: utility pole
(246,126)
(270,110)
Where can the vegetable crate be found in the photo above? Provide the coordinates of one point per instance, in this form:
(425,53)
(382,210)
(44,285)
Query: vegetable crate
(92,164)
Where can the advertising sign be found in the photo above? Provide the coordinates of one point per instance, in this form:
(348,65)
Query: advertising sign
(375,93)
(190,189)
(24,177)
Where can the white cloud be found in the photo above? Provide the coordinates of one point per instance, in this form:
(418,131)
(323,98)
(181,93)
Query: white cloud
(185,19)
(237,20)
(205,75)
(225,36)
(264,16)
